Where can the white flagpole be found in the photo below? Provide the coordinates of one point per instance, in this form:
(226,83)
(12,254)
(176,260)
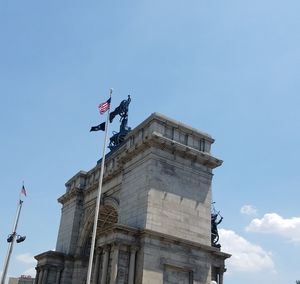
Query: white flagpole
(89,273)
(11,244)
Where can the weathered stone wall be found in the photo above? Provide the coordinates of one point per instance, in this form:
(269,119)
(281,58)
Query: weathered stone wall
(179,200)
(163,258)
(134,193)
(70,223)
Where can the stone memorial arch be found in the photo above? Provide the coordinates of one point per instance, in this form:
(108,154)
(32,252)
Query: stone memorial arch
(155,217)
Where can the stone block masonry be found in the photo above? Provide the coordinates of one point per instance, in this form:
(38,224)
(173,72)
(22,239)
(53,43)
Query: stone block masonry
(155,217)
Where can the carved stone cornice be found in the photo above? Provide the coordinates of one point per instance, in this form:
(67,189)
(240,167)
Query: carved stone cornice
(53,259)
(156,132)
(121,228)
(139,234)
(72,193)
(157,140)
(184,242)
(186,151)
(50,253)
(169,122)
(74,179)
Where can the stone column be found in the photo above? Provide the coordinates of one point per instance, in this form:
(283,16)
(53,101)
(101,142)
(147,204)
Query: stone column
(132,265)
(45,276)
(58,274)
(97,266)
(41,274)
(104,264)
(221,273)
(221,278)
(36,280)
(114,264)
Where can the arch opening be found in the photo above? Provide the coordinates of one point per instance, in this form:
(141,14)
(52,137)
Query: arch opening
(108,216)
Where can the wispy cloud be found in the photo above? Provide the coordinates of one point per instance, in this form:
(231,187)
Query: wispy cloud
(26,258)
(248,210)
(272,223)
(246,257)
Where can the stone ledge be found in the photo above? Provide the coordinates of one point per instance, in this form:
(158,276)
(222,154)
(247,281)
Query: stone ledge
(156,116)
(73,192)
(150,133)
(165,237)
(176,240)
(53,258)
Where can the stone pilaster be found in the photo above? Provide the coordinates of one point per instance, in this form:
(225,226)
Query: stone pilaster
(37,275)
(221,275)
(133,251)
(41,276)
(58,276)
(45,275)
(97,266)
(105,264)
(114,263)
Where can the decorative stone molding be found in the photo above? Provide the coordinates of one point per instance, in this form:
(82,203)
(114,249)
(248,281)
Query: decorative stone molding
(69,195)
(183,242)
(157,131)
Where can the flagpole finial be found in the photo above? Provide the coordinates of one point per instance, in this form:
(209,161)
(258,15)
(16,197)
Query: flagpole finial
(110,91)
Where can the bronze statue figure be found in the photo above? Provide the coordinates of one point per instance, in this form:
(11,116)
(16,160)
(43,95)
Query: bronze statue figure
(118,137)
(214,229)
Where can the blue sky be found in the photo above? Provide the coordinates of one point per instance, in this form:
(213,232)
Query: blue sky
(229,68)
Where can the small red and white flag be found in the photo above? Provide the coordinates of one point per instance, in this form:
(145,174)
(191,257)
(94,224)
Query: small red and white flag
(103,107)
(23,191)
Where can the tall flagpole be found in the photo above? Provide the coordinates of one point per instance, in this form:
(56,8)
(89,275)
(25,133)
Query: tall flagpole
(11,243)
(89,273)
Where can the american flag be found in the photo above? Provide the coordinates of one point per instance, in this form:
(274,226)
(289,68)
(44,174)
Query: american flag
(103,107)
(23,190)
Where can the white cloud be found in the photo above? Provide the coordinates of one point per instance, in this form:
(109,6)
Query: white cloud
(246,257)
(26,258)
(273,223)
(248,210)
